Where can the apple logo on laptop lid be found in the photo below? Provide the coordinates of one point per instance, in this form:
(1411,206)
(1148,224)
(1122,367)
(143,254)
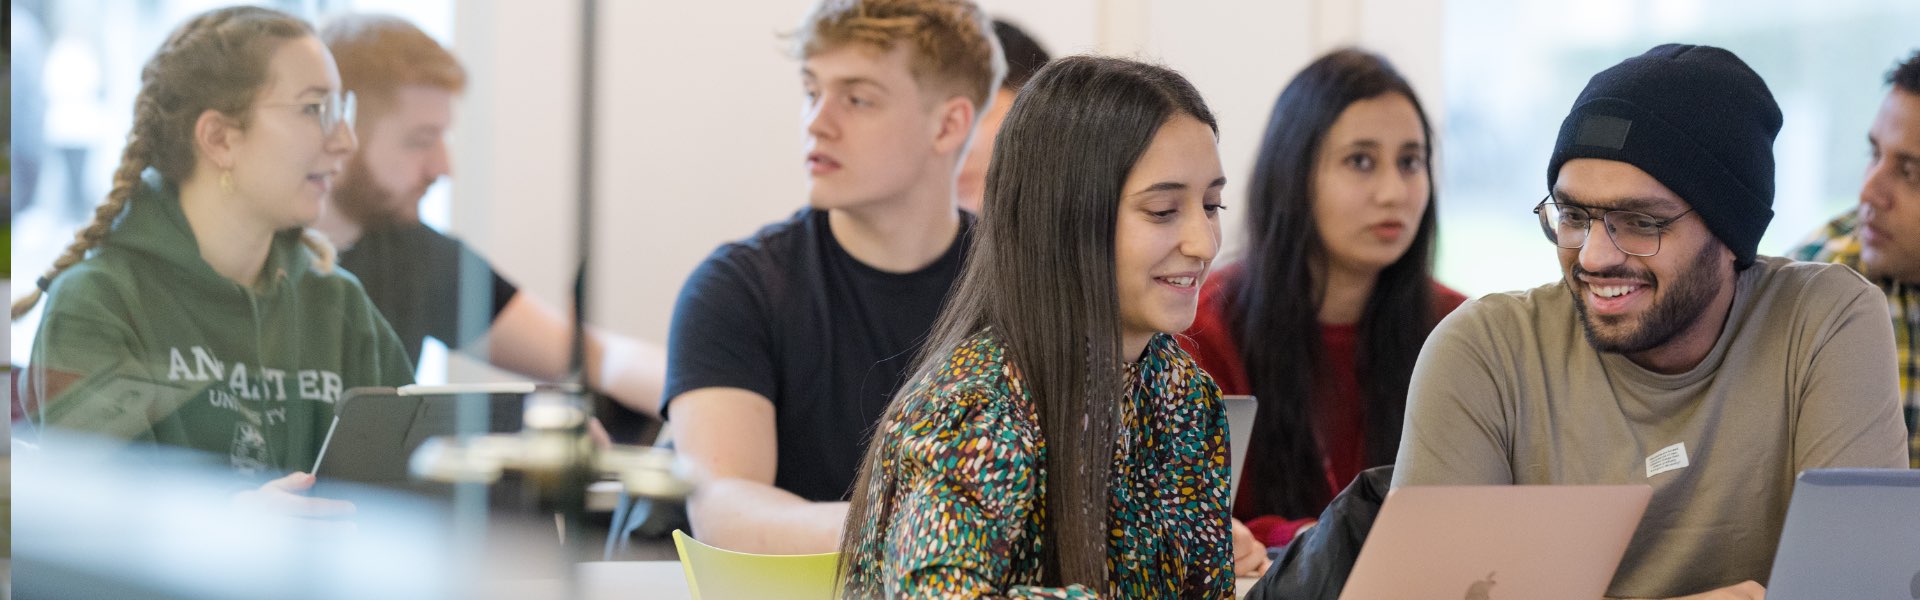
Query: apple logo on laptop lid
(1916,585)
(1481,590)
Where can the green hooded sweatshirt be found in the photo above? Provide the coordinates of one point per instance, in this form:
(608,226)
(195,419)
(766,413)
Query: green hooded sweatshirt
(144,342)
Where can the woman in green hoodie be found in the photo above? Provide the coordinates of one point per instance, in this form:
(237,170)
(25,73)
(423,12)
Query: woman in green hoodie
(196,310)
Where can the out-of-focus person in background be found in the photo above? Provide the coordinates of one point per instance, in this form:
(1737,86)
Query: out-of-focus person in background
(1024,57)
(1880,237)
(1323,317)
(406,84)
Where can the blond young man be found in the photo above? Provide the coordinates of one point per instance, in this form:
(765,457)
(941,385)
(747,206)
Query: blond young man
(787,345)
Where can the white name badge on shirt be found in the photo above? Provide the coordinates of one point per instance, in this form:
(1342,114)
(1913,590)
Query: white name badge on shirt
(1667,459)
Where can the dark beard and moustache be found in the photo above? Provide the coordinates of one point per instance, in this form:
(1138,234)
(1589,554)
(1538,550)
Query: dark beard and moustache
(361,200)
(1685,300)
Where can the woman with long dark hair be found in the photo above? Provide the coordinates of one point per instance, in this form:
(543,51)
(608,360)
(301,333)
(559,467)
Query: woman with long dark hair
(1323,317)
(1056,440)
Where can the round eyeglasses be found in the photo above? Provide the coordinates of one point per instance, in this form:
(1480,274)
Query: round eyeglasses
(331,110)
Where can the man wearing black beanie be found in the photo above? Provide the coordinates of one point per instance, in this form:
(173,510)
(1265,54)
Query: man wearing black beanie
(1669,353)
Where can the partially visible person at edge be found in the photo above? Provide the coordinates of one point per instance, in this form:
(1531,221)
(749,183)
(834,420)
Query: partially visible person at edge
(1024,58)
(1322,319)
(1667,341)
(406,84)
(1887,248)
(1056,442)
(196,310)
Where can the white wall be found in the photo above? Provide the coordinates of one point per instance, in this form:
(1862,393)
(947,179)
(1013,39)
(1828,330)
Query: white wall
(514,137)
(699,131)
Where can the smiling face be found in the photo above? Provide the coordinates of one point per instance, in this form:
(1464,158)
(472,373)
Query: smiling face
(1890,196)
(1630,304)
(1168,230)
(284,160)
(1370,186)
(870,127)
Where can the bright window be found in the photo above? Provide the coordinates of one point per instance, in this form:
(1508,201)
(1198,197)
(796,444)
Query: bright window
(92,52)
(1513,69)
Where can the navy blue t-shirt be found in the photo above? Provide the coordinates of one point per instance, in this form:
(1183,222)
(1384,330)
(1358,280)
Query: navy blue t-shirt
(789,315)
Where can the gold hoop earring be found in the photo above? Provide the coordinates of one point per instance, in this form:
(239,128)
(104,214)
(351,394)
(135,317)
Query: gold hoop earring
(226,181)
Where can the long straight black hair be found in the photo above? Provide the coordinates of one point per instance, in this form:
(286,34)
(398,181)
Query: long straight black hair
(1040,276)
(1278,296)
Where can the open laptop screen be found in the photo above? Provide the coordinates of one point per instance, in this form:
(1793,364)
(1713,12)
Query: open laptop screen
(1240,413)
(1850,533)
(376,430)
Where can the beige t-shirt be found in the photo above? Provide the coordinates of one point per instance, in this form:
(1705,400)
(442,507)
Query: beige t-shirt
(1508,391)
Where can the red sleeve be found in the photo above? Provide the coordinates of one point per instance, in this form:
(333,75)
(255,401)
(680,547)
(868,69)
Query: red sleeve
(1275,531)
(1210,339)
(1445,300)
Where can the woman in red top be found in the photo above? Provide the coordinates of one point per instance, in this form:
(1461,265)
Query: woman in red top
(1324,315)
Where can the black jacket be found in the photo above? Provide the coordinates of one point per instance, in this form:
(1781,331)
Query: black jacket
(1317,563)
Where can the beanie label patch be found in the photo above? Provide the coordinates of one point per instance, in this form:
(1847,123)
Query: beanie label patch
(1604,131)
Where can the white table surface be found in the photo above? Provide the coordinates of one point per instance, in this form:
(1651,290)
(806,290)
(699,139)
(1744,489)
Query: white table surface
(642,580)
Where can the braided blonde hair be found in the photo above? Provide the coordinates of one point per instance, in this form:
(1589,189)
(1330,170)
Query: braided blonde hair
(216,61)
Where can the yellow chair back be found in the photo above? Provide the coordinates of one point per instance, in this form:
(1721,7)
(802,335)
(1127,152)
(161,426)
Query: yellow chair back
(718,574)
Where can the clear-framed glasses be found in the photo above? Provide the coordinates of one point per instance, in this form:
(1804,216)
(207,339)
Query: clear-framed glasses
(332,111)
(1637,234)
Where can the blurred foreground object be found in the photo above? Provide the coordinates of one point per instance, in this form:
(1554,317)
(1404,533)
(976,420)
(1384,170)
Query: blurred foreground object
(92,524)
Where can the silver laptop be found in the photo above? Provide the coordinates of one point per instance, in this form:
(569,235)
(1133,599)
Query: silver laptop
(1240,412)
(1507,541)
(1850,533)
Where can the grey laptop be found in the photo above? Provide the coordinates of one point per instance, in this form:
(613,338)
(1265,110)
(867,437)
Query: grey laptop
(1240,412)
(375,430)
(1850,533)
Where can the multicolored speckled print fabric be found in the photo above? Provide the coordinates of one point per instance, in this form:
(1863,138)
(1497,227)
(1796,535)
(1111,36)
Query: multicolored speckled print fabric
(958,510)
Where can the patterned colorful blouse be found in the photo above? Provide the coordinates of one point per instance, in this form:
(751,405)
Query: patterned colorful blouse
(1838,242)
(963,515)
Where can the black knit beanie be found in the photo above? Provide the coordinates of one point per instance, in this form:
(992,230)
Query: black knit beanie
(1697,119)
